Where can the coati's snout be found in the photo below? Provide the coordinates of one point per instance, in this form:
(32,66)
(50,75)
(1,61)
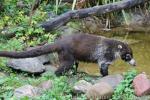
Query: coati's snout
(132,62)
(128,58)
(127,54)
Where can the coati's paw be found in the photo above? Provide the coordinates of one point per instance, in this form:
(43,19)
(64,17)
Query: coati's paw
(104,72)
(104,75)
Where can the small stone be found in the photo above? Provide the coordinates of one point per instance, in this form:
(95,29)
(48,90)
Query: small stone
(46,85)
(112,80)
(141,85)
(26,90)
(82,86)
(100,91)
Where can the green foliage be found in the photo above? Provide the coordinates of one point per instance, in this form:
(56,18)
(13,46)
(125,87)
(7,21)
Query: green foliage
(18,20)
(61,89)
(8,84)
(124,90)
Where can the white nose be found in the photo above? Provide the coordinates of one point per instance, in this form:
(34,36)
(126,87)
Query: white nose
(132,62)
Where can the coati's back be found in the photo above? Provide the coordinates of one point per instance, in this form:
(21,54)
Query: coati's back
(75,43)
(81,45)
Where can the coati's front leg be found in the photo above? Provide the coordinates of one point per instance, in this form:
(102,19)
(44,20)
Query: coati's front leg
(75,68)
(103,66)
(66,63)
(104,69)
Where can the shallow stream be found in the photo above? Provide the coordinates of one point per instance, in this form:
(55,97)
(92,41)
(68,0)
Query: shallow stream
(139,42)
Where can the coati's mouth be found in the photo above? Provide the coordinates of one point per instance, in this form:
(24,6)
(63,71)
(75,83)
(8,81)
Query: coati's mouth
(132,62)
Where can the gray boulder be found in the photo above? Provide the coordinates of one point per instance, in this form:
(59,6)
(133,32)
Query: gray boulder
(31,65)
(35,64)
(50,68)
(26,90)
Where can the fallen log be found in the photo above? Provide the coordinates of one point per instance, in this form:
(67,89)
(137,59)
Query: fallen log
(82,13)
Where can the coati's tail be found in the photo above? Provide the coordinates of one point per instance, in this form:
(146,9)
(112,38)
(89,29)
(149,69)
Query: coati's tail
(41,50)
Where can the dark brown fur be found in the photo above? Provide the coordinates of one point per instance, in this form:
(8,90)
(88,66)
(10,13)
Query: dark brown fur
(76,47)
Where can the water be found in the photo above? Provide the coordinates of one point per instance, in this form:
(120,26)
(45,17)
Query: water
(141,52)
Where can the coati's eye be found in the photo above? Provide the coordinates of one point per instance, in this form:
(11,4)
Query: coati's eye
(126,57)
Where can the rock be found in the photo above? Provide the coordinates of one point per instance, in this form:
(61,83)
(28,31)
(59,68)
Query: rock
(50,68)
(141,85)
(82,86)
(112,80)
(36,64)
(46,85)
(31,65)
(100,90)
(26,90)
(44,58)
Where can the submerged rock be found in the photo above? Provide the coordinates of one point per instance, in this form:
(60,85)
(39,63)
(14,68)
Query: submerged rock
(141,85)
(101,90)
(31,65)
(82,86)
(26,90)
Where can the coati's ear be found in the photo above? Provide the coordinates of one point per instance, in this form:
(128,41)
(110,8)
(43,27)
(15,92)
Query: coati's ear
(119,46)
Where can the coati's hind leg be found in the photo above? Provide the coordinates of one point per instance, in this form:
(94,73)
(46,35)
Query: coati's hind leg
(66,63)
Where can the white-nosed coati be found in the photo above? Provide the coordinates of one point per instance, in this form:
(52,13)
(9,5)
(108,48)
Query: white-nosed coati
(80,47)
